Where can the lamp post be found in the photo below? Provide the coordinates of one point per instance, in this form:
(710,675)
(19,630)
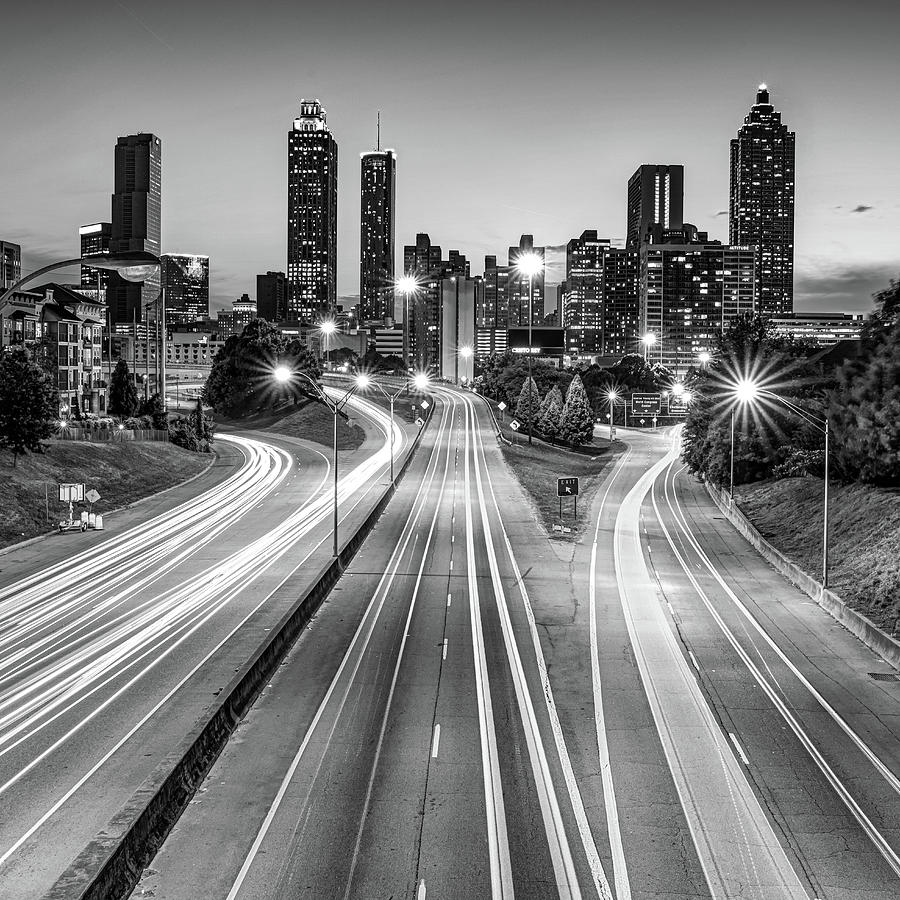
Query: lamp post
(746,391)
(327,327)
(529,265)
(704,357)
(406,285)
(648,340)
(285,374)
(466,354)
(612,396)
(420,382)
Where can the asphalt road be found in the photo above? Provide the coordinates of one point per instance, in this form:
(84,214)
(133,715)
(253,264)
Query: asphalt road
(481,711)
(112,645)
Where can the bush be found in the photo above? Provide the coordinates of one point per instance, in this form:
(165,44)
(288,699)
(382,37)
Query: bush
(800,463)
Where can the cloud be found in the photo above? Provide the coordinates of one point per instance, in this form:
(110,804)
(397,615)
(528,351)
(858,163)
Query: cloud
(831,289)
(721,212)
(861,208)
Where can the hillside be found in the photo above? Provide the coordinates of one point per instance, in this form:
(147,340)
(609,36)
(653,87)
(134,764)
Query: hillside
(864,538)
(121,472)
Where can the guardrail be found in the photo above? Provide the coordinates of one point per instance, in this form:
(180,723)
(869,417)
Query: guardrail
(855,622)
(111,865)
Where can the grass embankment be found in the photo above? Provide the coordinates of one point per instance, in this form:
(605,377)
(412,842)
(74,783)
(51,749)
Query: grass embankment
(311,421)
(120,472)
(538,466)
(864,538)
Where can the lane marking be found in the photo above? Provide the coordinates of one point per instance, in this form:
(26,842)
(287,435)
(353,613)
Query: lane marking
(449,599)
(693,660)
(445,649)
(739,749)
(420,894)
(436,742)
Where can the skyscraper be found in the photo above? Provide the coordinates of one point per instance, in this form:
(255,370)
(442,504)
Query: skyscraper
(95,239)
(185,279)
(761,210)
(311,215)
(271,296)
(136,216)
(376,234)
(655,196)
(517,286)
(10,264)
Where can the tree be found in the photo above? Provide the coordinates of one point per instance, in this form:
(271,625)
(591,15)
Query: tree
(242,380)
(29,404)
(153,407)
(528,403)
(550,418)
(577,425)
(123,397)
(203,426)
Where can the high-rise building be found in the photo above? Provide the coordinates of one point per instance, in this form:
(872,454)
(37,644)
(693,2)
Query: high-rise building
(517,286)
(10,264)
(95,240)
(460,296)
(271,296)
(655,196)
(312,215)
(423,260)
(185,280)
(600,299)
(136,217)
(378,185)
(690,288)
(493,308)
(761,210)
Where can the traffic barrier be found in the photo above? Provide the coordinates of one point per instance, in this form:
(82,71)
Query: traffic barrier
(855,622)
(111,865)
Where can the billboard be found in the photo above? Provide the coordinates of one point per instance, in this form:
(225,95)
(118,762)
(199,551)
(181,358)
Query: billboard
(544,341)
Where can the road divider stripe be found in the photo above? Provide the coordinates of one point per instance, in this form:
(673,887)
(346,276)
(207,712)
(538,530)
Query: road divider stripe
(436,742)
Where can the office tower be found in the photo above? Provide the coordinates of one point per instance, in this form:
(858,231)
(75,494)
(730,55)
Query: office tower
(185,279)
(95,239)
(136,216)
(423,260)
(690,288)
(459,297)
(378,185)
(600,309)
(244,311)
(761,210)
(271,296)
(517,286)
(493,306)
(312,216)
(655,196)
(10,264)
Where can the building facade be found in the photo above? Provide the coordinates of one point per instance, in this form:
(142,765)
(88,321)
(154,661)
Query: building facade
(493,310)
(95,240)
(185,280)
(600,297)
(311,215)
(458,339)
(655,197)
(690,288)
(518,299)
(761,210)
(10,264)
(824,329)
(378,188)
(271,297)
(136,222)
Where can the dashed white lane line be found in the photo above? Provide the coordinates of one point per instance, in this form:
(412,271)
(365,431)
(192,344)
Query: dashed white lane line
(444,655)
(437,741)
(420,894)
(449,599)
(693,660)
(737,747)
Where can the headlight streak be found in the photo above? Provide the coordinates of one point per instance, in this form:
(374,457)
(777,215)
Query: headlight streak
(74,675)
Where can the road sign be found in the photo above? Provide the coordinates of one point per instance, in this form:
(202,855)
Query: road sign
(92,496)
(71,493)
(420,421)
(514,424)
(501,406)
(645,405)
(566,487)
(424,404)
(677,405)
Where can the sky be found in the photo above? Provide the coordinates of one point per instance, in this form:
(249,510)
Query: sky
(506,118)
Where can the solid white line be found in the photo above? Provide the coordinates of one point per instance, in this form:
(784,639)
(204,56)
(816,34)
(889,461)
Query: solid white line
(436,742)
(739,749)
(693,660)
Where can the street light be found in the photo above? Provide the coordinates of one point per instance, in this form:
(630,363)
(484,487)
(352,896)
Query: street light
(704,357)
(648,340)
(406,285)
(284,374)
(420,383)
(612,396)
(747,391)
(466,354)
(327,327)
(529,265)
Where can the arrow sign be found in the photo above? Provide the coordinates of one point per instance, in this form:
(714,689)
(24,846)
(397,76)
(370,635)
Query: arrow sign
(566,487)
(514,424)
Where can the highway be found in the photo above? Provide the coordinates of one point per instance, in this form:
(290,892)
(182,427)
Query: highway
(481,711)
(108,654)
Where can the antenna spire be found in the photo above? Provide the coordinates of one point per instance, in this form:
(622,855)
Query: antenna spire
(379,131)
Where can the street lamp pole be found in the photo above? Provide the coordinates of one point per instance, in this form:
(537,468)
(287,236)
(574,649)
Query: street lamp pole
(530,393)
(731,483)
(421,383)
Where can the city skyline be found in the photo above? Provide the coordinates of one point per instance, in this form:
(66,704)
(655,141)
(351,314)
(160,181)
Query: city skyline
(846,211)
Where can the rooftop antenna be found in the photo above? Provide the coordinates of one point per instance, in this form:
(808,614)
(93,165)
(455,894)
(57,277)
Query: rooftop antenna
(379,131)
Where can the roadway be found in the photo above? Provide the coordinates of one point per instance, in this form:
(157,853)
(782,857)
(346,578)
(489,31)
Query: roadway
(480,711)
(112,643)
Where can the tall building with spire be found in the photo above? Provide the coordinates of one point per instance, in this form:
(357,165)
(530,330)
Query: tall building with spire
(761,211)
(376,233)
(311,215)
(136,223)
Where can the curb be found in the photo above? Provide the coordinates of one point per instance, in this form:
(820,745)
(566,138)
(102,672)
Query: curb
(112,864)
(855,622)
